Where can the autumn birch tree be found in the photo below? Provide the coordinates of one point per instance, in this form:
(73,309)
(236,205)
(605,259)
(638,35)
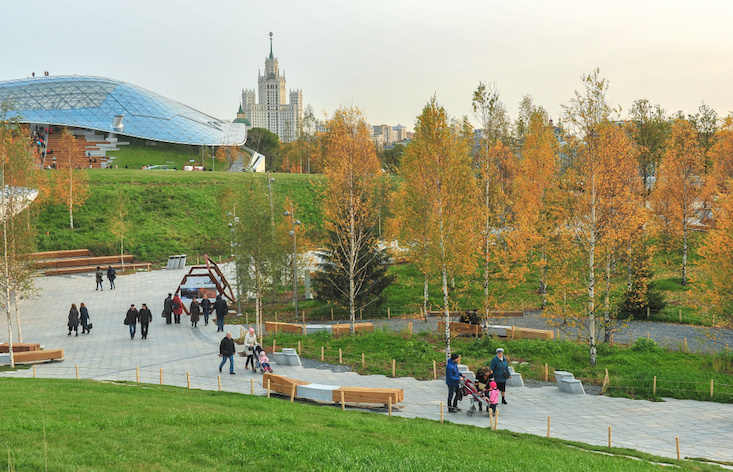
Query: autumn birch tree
(70,186)
(680,190)
(351,168)
(435,205)
(717,256)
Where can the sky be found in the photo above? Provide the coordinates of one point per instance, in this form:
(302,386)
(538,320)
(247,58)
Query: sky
(386,57)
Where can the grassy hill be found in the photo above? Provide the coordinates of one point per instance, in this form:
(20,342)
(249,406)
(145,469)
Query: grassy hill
(68,425)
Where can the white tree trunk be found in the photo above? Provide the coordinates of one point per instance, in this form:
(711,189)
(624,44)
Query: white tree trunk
(17,316)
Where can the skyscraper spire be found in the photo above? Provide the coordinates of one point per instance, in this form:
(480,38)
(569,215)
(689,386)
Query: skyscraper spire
(270,44)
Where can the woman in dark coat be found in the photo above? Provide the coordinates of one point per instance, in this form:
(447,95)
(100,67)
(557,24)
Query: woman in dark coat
(195,312)
(84,313)
(73,320)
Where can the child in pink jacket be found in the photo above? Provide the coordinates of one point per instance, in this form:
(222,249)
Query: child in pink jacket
(493,397)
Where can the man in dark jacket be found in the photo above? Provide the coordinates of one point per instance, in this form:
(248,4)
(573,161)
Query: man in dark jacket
(99,276)
(226,351)
(221,307)
(452,379)
(131,320)
(145,317)
(111,275)
(168,308)
(206,307)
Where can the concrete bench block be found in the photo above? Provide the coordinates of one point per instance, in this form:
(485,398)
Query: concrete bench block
(316,392)
(572,386)
(561,374)
(498,330)
(291,356)
(515,380)
(463,370)
(4,359)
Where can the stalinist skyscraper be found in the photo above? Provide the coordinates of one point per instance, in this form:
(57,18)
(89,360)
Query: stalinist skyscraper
(272,111)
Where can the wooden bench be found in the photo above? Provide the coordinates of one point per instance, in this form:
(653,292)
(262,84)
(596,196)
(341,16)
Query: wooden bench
(461,328)
(85,261)
(281,384)
(530,333)
(93,268)
(369,395)
(279,327)
(20,347)
(505,314)
(38,356)
(345,328)
(59,254)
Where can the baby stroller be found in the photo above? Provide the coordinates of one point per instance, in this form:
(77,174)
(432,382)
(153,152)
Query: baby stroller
(258,365)
(476,397)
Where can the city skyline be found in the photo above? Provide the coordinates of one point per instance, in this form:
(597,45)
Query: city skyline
(387,58)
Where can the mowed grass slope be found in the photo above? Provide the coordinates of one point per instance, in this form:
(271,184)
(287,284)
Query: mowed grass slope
(92,426)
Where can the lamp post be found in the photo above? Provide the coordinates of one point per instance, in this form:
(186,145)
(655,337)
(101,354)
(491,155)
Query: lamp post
(295,222)
(234,243)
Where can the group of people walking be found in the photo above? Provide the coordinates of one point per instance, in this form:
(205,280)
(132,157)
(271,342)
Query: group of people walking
(111,276)
(490,381)
(173,309)
(77,317)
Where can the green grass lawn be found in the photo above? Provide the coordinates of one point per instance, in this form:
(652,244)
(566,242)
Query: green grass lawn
(89,426)
(138,154)
(631,369)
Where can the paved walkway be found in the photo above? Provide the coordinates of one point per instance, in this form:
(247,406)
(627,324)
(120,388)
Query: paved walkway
(705,429)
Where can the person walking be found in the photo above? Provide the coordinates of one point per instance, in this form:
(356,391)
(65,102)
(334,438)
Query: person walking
(206,307)
(177,309)
(73,323)
(500,367)
(194,310)
(452,379)
(227,351)
(111,276)
(250,340)
(131,320)
(99,275)
(168,308)
(84,314)
(221,308)
(145,317)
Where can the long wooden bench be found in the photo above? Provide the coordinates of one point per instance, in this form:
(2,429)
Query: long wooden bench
(38,356)
(530,333)
(20,347)
(345,328)
(281,384)
(93,268)
(59,254)
(279,327)
(369,395)
(84,261)
(458,328)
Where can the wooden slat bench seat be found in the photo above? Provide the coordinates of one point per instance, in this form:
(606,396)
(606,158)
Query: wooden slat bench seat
(38,356)
(84,261)
(281,384)
(278,327)
(93,268)
(458,329)
(345,328)
(20,347)
(59,254)
(369,395)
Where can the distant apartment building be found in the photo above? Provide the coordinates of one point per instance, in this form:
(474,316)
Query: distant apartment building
(386,135)
(273,111)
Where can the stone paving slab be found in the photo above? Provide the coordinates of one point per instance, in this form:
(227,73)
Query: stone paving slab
(705,429)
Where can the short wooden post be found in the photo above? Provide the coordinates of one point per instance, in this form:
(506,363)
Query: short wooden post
(390,406)
(363,364)
(343,403)
(341,359)
(435,371)
(292,393)
(393,368)
(680,315)
(409,327)
(161,376)
(252,386)
(512,331)
(711,388)
(609,437)
(188,380)
(654,386)
(441,412)
(611,338)
(389,314)
(299,351)
(647,312)
(332,314)
(496,420)
(677,441)
(606,382)
(268,388)
(137,374)
(547,371)
(322,354)
(647,335)
(548,427)
(77,371)
(686,348)
(218,380)
(304,328)
(34,371)
(273,345)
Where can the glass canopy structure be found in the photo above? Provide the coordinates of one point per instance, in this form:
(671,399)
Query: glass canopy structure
(112,106)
